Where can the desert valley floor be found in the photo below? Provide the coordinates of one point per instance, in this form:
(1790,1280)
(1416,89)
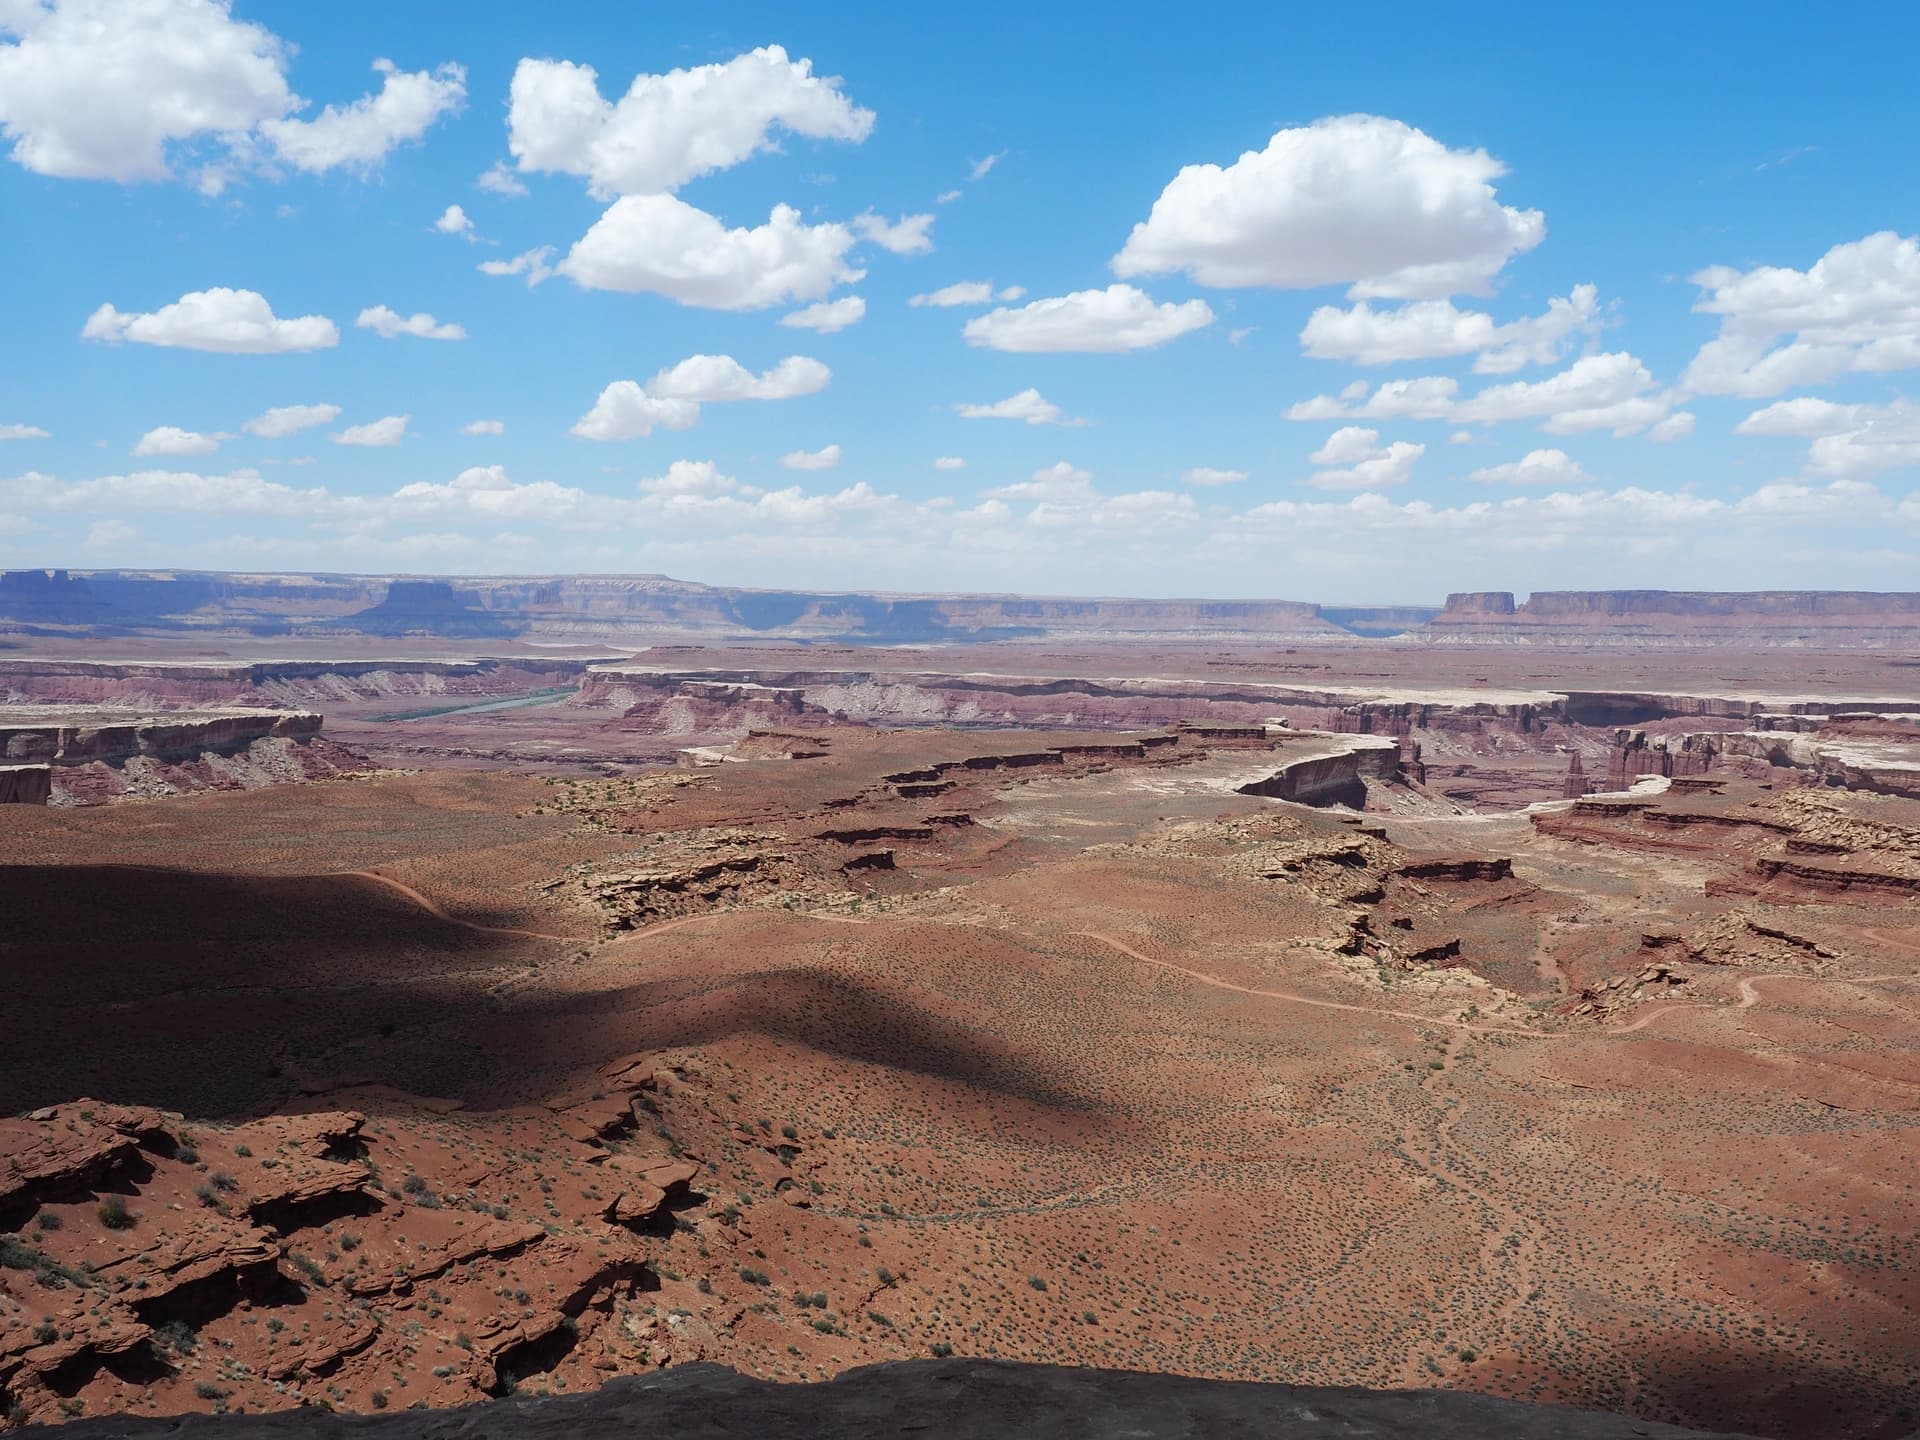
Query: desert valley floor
(843,1041)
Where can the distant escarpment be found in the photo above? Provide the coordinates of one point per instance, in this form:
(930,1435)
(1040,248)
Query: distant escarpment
(1813,619)
(632,609)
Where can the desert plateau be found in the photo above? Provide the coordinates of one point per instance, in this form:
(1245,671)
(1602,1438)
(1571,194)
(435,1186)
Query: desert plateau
(1377,1013)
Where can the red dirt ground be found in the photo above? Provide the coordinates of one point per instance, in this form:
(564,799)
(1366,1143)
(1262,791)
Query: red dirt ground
(1090,1062)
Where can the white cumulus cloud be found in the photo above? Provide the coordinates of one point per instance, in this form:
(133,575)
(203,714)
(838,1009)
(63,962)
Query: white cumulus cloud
(455,221)
(172,440)
(1208,475)
(389,324)
(690,477)
(661,244)
(1361,462)
(231,322)
(96,90)
(366,131)
(949,462)
(625,411)
(1029,405)
(906,236)
(1435,329)
(1536,467)
(829,317)
(671,400)
(1847,440)
(1856,308)
(713,378)
(530,263)
(1057,484)
(967,292)
(1597,392)
(1115,319)
(484,427)
(23,432)
(1360,200)
(670,128)
(284,420)
(822,459)
(497,179)
(388,431)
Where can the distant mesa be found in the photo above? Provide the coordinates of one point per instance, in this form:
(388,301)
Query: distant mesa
(643,609)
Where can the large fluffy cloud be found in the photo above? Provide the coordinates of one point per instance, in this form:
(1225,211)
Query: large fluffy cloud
(361,134)
(1846,440)
(671,400)
(669,128)
(96,90)
(232,322)
(134,90)
(1856,308)
(1435,329)
(1114,319)
(661,244)
(625,411)
(1599,392)
(1354,199)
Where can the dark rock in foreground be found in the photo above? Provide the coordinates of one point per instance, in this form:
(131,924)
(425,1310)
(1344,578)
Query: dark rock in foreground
(968,1399)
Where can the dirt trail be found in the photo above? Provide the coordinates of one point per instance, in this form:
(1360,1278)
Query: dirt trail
(1508,1241)
(438,913)
(1408,1015)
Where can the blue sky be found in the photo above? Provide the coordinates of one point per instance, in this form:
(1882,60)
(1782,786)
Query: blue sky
(1720,199)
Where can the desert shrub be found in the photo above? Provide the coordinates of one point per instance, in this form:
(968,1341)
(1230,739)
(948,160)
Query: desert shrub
(114,1214)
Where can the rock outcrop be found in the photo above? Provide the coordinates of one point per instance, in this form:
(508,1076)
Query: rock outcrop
(84,756)
(1337,776)
(955,1399)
